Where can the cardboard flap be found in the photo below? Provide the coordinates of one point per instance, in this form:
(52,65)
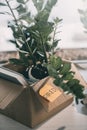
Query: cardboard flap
(13,76)
(9,91)
(45,88)
(53,97)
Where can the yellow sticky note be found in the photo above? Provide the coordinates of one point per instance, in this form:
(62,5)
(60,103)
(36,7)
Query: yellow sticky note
(49,92)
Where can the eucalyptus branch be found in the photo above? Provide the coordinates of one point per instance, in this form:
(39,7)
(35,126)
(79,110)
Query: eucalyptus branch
(21,32)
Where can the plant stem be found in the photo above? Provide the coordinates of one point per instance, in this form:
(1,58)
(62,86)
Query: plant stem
(44,49)
(33,59)
(54,36)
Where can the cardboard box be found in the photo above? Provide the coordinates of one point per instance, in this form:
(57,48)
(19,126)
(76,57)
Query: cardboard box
(25,105)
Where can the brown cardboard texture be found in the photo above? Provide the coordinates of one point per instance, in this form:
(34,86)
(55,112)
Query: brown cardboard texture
(59,100)
(8,92)
(24,104)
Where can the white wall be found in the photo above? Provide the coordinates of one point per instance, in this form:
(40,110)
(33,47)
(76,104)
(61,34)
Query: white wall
(71,28)
(72,35)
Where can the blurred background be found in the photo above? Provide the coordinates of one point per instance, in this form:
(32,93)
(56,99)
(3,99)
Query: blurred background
(71,30)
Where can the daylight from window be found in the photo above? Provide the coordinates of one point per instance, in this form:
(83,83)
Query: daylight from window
(71,29)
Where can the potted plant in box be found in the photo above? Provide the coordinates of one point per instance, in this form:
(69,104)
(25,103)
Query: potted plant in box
(36,42)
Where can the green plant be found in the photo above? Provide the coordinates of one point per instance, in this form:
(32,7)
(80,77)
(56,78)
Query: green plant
(35,37)
(63,76)
(32,34)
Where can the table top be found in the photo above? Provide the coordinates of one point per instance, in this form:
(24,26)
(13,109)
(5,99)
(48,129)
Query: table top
(73,117)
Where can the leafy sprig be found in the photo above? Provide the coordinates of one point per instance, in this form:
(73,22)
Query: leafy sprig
(64,77)
(34,36)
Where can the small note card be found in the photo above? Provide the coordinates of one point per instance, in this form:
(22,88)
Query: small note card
(50,92)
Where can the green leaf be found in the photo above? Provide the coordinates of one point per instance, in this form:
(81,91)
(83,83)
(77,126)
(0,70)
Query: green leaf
(2,12)
(52,72)
(26,1)
(40,54)
(20,1)
(38,4)
(68,76)
(21,9)
(65,87)
(49,5)
(35,50)
(55,43)
(3,4)
(73,82)
(42,16)
(26,16)
(57,81)
(5,13)
(65,68)
(57,20)
(56,62)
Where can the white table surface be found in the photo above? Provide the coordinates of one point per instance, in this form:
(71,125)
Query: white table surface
(74,117)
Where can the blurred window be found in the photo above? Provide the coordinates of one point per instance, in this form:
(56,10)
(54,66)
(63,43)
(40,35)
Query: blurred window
(72,32)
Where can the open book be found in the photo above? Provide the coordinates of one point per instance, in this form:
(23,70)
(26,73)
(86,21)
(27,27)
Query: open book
(13,76)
